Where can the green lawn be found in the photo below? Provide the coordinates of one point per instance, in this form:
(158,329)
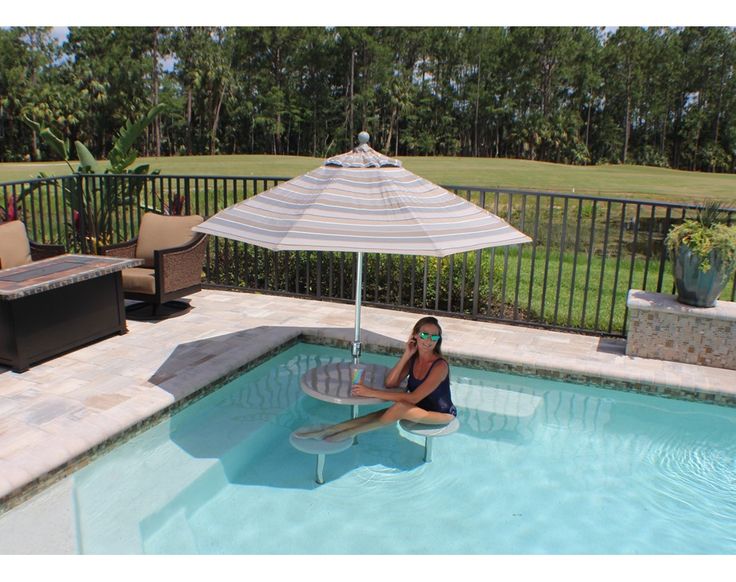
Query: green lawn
(613,181)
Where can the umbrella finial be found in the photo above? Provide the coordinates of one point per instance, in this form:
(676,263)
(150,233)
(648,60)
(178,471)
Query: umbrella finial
(362,156)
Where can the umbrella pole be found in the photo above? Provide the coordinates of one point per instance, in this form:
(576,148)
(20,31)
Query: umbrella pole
(358,296)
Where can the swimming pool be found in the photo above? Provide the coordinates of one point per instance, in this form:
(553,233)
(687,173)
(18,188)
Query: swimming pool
(538,467)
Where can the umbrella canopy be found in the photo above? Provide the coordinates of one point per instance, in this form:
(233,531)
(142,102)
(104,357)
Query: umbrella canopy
(362,201)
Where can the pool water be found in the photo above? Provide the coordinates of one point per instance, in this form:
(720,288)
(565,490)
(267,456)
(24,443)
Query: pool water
(537,467)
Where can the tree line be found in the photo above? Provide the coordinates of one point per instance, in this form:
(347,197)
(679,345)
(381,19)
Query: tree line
(576,95)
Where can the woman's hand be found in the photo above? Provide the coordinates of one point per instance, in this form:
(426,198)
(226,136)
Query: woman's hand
(365,391)
(411,346)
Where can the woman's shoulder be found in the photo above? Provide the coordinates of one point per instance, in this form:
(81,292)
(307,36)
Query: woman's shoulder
(440,363)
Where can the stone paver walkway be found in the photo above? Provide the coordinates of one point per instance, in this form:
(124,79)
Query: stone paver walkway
(53,414)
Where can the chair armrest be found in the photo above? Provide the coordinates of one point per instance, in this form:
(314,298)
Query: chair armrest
(41,251)
(124,250)
(180,267)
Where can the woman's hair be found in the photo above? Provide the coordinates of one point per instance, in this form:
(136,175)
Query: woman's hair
(430,320)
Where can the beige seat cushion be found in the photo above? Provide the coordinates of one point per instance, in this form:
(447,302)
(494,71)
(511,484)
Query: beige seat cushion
(15,250)
(139,280)
(159,232)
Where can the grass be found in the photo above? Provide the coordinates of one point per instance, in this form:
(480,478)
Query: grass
(619,181)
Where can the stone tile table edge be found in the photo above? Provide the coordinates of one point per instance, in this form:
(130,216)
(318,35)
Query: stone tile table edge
(119,265)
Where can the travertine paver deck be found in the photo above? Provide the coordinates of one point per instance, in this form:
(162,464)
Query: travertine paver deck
(60,409)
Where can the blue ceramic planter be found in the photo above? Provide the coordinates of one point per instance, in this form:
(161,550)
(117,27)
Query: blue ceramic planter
(693,286)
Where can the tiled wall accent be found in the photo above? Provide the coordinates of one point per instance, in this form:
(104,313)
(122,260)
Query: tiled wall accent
(661,328)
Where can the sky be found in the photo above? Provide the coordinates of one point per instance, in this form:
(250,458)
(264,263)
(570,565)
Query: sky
(376,13)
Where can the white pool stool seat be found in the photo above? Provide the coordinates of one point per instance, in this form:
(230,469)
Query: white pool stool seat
(429,432)
(318,447)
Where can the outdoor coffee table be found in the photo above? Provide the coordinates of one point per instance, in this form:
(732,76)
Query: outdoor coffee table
(55,305)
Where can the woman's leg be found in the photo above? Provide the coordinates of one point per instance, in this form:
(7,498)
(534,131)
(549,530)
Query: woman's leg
(396,412)
(322,432)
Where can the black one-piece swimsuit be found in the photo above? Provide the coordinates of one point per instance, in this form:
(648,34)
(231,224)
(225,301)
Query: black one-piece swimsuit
(439,400)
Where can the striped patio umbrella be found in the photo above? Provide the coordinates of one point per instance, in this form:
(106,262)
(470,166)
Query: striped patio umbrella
(362,201)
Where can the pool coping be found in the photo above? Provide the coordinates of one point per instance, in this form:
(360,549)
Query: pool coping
(674,384)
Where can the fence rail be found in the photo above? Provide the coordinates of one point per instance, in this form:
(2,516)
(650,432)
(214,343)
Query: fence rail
(587,252)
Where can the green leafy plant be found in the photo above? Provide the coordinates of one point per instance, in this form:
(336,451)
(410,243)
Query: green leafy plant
(94,201)
(704,235)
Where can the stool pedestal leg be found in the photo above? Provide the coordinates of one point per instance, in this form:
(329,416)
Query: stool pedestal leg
(318,448)
(319,475)
(429,432)
(354,415)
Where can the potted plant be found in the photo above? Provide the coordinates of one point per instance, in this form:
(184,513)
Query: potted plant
(703,251)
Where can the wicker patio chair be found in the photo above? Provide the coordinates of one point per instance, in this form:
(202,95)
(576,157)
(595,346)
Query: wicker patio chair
(17,249)
(173,257)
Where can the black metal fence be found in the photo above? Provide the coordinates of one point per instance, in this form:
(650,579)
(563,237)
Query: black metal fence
(587,251)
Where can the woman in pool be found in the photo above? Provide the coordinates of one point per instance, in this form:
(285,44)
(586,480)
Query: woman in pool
(428,398)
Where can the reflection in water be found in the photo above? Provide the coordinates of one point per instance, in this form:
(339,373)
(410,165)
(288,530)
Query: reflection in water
(510,411)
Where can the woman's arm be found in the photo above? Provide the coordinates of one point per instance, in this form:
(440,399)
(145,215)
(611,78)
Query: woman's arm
(401,369)
(398,373)
(392,380)
(431,382)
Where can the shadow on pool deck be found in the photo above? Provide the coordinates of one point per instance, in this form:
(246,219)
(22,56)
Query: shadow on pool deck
(615,346)
(193,365)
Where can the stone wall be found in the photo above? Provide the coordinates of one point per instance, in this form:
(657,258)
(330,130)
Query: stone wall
(660,327)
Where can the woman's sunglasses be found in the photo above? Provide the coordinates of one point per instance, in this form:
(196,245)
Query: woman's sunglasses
(424,335)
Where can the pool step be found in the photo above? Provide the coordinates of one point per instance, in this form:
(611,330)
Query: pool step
(111,503)
(241,463)
(173,536)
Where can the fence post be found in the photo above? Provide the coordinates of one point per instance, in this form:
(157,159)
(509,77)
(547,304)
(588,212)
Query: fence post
(81,213)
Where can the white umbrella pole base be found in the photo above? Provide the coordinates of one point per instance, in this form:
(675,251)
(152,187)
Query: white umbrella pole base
(356,351)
